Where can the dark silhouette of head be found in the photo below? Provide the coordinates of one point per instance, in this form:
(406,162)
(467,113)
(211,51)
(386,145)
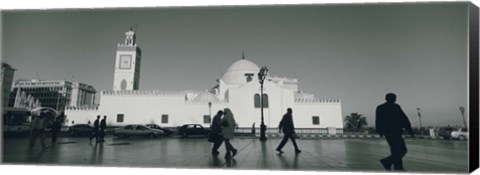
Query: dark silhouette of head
(220,112)
(104,116)
(98,116)
(391,98)
(289,110)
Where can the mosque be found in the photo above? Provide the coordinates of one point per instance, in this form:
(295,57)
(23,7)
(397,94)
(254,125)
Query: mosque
(238,88)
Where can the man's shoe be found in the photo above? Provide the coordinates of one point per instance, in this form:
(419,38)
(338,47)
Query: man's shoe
(234,152)
(215,152)
(298,151)
(279,151)
(385,164)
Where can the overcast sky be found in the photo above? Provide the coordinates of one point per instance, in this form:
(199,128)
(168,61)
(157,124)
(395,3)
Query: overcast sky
(356,53)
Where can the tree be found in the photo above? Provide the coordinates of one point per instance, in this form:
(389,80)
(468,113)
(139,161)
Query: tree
(355,122)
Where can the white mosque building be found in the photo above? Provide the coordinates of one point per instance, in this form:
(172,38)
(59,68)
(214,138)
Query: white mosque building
(237,89)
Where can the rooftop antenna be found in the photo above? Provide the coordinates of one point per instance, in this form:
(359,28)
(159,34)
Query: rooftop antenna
(243,55)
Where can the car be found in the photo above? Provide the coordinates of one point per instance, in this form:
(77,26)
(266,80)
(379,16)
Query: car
(155,126)
(460,133)
(192,129)
(445,132)
(137,130)
(80,130)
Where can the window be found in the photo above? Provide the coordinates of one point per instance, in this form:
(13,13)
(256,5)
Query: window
(265,100)
(164,118)
(249,77)
(120,118)
(256,99)
(316,120)
(206,118)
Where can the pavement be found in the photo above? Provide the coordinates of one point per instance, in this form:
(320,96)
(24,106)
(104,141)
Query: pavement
(318,154)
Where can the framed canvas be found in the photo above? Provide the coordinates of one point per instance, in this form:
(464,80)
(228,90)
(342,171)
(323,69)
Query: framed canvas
(286,88)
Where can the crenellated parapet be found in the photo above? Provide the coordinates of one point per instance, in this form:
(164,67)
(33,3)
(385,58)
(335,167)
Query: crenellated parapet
(143,93)
(85,108)
(323,101)
(205,101)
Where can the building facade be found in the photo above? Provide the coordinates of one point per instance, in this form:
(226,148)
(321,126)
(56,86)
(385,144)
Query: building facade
(237,89)
(56,94)
(7,79)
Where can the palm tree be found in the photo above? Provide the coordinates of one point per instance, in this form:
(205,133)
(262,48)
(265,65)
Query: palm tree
(355,122)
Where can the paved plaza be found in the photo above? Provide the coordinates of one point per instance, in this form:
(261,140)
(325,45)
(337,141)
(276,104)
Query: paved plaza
(326,154)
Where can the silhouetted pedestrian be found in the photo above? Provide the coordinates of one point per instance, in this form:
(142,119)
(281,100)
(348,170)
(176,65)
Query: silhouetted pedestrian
(389,122)
(37,126)
(103,127)
(56,127)
(96,129)
(253,128)
(228,124)
(216,132)
(286,125)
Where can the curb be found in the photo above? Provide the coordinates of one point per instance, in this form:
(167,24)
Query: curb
(360,136)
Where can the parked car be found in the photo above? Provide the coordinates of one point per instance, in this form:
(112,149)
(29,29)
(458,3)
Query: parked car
(445,132)
(80,130)
(137,130)
(155,126)
(192,129)
(461,134)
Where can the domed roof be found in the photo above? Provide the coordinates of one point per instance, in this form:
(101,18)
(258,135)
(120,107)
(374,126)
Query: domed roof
(206,97)
(236,73)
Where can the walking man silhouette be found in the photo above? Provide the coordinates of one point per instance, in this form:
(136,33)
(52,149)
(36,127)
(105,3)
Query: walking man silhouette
(286,125)
(228,123)
(96,129)
(389,122)
(103,127)
(216,132)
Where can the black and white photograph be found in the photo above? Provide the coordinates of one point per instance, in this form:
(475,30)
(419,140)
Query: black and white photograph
(357,87)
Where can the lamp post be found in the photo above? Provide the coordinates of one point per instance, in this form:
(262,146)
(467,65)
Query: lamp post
(462,110)
(210,112)
(261,78)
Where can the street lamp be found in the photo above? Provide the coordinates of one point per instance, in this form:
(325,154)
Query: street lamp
(261,78)
(462,110)
(419,117)
(210,111)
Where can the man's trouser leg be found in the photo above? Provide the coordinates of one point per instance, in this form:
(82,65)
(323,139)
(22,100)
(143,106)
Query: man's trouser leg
(292,137)
(398,149)
(283,142)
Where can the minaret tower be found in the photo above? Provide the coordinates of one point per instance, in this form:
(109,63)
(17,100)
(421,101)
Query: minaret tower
(127,64)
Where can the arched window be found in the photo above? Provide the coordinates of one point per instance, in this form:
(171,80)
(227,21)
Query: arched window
(265,101)
(257,101)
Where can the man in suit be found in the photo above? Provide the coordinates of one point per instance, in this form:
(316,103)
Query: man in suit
(96,129)
(286,125)
(103,127)
(389,122)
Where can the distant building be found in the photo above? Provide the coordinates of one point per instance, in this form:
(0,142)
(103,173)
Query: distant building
(56,94)
(7,79)
(237,89)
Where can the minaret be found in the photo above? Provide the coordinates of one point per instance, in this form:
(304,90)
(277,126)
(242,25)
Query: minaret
(127,64)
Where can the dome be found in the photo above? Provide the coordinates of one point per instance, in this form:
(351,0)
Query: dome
(206,97)
(237,73)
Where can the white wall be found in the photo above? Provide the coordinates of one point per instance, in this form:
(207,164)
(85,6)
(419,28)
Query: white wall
(148,108)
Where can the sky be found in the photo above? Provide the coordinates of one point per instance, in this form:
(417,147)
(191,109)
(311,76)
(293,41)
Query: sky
(354,52)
